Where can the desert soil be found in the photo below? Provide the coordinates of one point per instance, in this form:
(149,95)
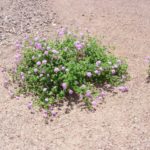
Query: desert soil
(123,121)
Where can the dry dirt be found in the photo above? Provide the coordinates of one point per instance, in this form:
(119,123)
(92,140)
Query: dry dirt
(123,121)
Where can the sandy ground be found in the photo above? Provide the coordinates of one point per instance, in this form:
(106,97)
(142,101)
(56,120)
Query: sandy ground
(123,121)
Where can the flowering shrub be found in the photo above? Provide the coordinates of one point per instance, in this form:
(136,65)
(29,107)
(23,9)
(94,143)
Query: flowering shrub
(67,66)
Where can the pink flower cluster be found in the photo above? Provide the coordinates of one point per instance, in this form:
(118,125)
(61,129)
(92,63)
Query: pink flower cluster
(38,46)
(18,45)
(123,89)
(38,63)
(88,93)
(61,32)
(64,86)
(78,45)
(89,74)
(98,63)
(55,51)
(56,70)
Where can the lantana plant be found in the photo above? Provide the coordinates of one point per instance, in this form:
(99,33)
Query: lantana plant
(69,65)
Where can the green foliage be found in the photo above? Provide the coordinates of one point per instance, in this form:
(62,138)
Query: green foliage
(51,70)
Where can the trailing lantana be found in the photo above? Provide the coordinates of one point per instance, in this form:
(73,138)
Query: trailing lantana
(69,65)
